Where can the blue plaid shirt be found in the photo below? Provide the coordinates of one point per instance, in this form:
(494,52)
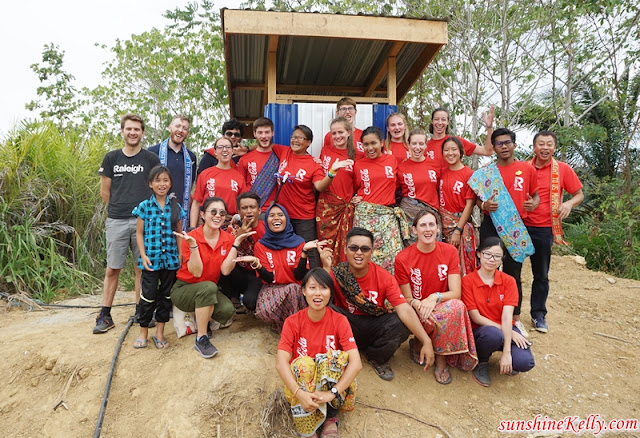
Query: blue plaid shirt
(159,241)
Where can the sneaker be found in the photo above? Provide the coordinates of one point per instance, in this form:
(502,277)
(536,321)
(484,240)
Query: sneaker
(540,324)
(481,374)
(205,348)
(520,326)
(103,324)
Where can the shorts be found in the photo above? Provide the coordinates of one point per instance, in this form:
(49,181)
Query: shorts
(121,235)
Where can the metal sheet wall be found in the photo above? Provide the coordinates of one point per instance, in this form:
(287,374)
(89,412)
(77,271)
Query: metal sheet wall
(284,117)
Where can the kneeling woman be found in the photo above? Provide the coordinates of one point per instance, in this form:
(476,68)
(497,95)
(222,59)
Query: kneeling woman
(428,273)
(490,296)
(318,360)
(281,262)
(207,252)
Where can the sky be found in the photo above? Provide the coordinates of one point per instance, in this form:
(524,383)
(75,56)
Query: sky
(75,26)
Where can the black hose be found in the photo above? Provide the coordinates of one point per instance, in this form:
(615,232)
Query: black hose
(105,397)
(69,306)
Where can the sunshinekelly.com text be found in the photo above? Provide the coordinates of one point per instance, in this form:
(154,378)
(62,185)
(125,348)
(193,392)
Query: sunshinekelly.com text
(594,424)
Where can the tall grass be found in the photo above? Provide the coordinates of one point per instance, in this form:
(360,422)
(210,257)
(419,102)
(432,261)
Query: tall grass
(51,214)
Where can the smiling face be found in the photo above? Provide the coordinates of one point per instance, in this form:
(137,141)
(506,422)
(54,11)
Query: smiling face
(372,146)
(504,147)
(490,258)
(214,215)
(440,123)
(396,128)
(264,135)
(299,142)
(339,135)
(359,260)
(178,131)
(544,148)
(347,111)
(161,184)
(317,295)
(451,152)
(276,221)
(426,229)
(132,133)
(417,146)
(223,150)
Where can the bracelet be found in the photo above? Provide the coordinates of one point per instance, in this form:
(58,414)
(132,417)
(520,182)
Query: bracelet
(193,247)
(299,388)
(411,302)
(235,246)
(459,229)
(439,297)
(331,174)
(247,147)
(482,205)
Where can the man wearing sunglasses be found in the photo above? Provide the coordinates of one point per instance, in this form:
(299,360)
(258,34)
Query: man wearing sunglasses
(232,129)
(370,298)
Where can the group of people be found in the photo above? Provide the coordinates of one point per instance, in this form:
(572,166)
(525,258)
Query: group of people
(344,255)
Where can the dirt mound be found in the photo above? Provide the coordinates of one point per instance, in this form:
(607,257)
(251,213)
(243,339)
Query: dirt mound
(587,364)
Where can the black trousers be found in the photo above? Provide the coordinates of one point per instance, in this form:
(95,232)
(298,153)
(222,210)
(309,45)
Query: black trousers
(241,282)
(377,337)
(542,238)
(306,228)
(156,295)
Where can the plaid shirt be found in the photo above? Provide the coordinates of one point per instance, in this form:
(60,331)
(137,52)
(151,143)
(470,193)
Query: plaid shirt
(159,241)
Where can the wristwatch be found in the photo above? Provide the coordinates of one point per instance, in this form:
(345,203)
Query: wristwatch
(334,391)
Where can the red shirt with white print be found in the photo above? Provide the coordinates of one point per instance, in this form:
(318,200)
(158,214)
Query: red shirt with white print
(434,150)
(297,194)
(252,163)
(399,150)
(224,183)
(375,179)
(357,141)
(454,190)
(212,257)
(342,184)
(281,262)
(419,180)
(520,180)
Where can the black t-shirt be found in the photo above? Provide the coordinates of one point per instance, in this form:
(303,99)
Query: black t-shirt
(129,180)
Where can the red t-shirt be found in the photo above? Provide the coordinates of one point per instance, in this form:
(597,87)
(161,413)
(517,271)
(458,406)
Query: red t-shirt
(298,196)
(489,301)
(302,337)
(399,150)
(375,180)
(342,184)
(224,183)
(251,164)
(520,180)
(569,182)
(212,258)
(434,150)
(281,262)
(427,273)
(377,285)
(357,141)
(419,180)
(454,190)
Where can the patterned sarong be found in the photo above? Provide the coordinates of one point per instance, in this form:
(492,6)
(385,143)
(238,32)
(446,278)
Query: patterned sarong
(452,335)
(389,227)
(468,240)
(334,219)
(265,180)
(412,207)
(319,374)
(276,302)
(487,181)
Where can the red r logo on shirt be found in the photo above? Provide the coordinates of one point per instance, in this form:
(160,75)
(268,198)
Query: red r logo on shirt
(457,187)
(518,184)
(291,258)
(388,171)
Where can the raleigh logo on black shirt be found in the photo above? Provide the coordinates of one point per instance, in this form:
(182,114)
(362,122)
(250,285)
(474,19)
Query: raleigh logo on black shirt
(119,170)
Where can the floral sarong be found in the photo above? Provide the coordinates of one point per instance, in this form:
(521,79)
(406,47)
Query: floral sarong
(468,240)
(452,335)
(389,227)
(319,374)
(276,302)
(334,219)
(412,207)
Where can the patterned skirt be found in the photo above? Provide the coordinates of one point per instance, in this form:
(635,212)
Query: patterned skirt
(452,335)
(319,374)
(334,218)
(468,240)
(389,228)
(412,207)
(276,302)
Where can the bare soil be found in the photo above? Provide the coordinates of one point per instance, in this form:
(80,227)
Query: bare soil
(51,356)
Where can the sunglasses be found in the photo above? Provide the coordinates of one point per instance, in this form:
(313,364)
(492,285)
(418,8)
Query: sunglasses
(232,134)
(355,248)
(215,212)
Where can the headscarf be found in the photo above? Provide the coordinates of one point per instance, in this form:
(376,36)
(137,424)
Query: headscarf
(284,239)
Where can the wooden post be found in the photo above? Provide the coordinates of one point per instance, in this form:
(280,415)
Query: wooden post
(391,80)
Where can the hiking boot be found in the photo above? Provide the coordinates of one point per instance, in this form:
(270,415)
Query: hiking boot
(520,326)
(481,374)
(104,323)
(540,324)
(205,348)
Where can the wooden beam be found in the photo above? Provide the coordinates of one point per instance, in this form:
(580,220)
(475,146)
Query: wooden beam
(290,98)
(416,70)
(334,26)
(391,80)
(393,52)
(304,88)
(270,91)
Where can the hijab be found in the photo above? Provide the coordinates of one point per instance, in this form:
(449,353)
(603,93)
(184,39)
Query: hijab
(284,239)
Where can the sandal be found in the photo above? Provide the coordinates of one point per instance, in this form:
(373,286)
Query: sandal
(383,370)
(140,343)
(438,375)
(415,357)
(330,428)
(160,345)
(240,308)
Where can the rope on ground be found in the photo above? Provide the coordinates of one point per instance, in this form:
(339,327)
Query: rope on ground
(105,397)
(413,417)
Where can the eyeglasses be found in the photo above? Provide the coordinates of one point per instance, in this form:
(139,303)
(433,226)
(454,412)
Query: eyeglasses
(346,109)
(503,143)
(296,138)
(232,134)
(355,248)
(224,146)
(216,212)
(489,256)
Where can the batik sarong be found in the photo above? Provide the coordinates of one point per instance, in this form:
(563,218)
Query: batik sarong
(276,302)
(334,219)
(468,240)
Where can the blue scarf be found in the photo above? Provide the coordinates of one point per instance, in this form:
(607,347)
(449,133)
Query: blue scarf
(187,176)
(284,239)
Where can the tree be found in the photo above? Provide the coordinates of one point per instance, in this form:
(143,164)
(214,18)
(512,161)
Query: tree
(57,95)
